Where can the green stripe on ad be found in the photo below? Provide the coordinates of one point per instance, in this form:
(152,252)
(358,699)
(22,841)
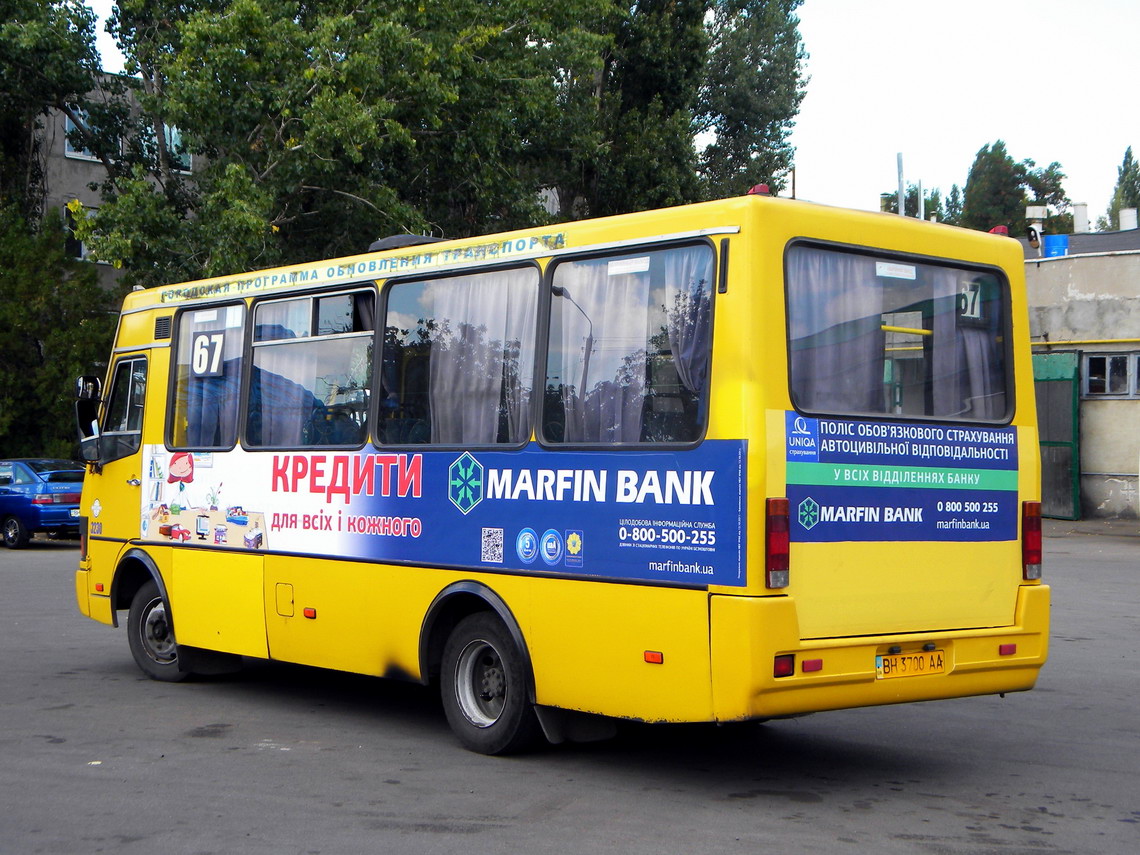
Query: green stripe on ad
(930,478)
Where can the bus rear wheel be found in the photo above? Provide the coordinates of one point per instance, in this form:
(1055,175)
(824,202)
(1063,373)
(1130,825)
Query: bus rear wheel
(150,635)
(484,688)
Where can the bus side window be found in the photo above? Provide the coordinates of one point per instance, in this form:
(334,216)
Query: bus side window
(208,378)
(630,339)
(459,359)
(123,420)
(311,380)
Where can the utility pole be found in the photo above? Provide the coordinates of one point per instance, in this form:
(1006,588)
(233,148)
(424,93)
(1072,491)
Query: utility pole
(902,189)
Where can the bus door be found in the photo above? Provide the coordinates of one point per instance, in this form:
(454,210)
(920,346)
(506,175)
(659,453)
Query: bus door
(114,483)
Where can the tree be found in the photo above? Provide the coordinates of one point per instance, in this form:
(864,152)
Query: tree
(47,60)
(1126,194)
(932,203)
(56,326)
(998,189)
(752,89)
(952,213)
(54,316)
(317,127)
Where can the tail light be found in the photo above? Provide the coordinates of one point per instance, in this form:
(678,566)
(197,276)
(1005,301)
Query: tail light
(55,499)
(1031,540)
(776,544)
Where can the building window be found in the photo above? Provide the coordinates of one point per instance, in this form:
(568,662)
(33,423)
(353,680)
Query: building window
(1111,375)
(75,247)
(72,147)
(179,157)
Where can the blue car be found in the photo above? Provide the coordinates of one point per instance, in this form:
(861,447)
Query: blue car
(39,495)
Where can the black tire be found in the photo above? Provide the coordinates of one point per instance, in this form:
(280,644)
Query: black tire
(150,634)
(16,534)
(483,684)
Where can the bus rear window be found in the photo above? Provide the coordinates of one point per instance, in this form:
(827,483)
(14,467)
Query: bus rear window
(894,337)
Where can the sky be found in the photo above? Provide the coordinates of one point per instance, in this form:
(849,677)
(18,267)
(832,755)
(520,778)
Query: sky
(935,80)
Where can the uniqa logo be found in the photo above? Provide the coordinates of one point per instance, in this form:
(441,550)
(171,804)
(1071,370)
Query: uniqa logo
(465,482)
(809,513)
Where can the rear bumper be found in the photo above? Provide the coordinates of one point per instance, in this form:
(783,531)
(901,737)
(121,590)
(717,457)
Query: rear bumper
(749,632)
(51,518)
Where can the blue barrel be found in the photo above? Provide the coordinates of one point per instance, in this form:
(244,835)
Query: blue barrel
(1056,245)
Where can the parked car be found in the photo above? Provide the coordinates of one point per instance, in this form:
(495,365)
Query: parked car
(38,495)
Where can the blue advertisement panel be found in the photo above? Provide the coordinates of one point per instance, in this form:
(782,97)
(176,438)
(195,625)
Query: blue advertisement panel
(852,480)
(672,517)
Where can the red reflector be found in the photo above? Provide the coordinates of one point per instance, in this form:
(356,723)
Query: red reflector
(99,587)
(811,665)
(776,544)
(1007,649)
(311,614)
(654,657)
(1031,540)
(784,665)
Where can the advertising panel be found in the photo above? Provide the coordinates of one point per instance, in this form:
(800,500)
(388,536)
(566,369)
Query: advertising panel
(851,480)
(670,517)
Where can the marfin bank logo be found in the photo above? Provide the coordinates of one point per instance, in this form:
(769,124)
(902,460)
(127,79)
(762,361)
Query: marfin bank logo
(808,513)
(465,482)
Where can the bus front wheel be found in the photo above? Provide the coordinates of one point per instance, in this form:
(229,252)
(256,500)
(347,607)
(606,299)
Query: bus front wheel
(151,636)
(483,688)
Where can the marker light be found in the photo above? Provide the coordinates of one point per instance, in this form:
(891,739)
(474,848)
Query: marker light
(784,665)
(759,190)
(1031,540)
(310,613)
(654,657)
(776,544)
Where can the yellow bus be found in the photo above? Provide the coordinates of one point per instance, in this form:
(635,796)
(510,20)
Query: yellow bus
(731,461)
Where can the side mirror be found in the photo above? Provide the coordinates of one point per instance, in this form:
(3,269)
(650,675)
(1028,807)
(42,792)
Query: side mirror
(89,448)
(87,392)
(88,388)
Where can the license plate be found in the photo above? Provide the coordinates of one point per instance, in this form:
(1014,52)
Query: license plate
(75,513)
(914,664)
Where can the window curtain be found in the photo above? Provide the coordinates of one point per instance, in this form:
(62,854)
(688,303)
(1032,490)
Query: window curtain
(688,308)
(481,363)
(603,377)
(968,371)
(835,310)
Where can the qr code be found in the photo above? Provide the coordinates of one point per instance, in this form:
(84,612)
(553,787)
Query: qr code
(492,545)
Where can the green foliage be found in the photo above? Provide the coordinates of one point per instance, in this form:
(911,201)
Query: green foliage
(58,324)
(998,189)
(932,203)
(47,59)
(1126,194)
(952,213)
(752,90)
(316,128)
